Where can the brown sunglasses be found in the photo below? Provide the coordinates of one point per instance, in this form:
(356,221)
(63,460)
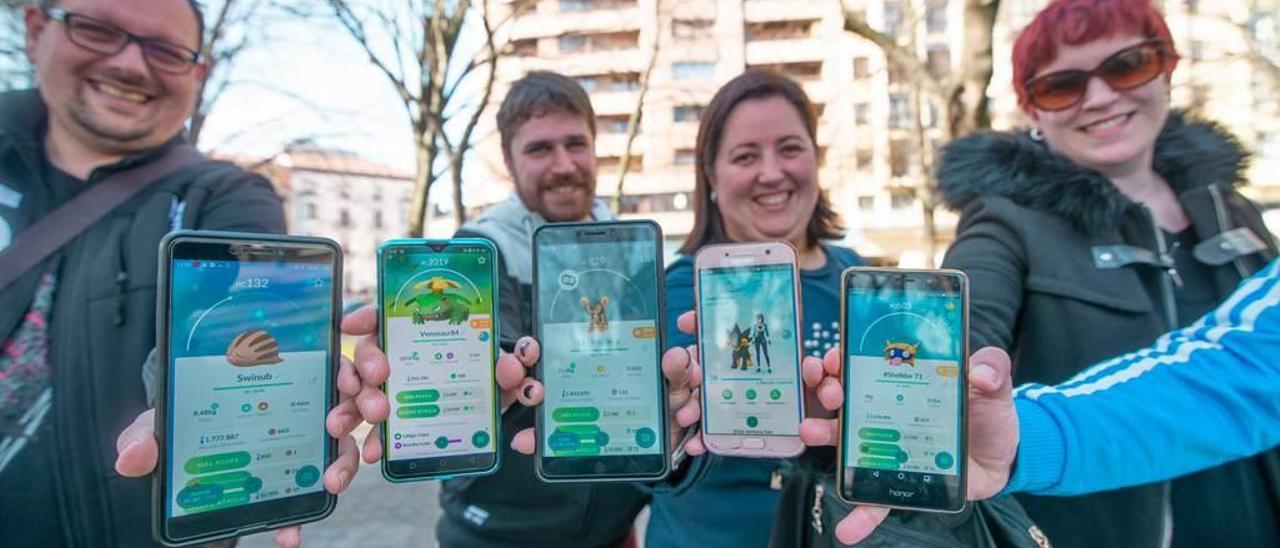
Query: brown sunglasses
(1128,68)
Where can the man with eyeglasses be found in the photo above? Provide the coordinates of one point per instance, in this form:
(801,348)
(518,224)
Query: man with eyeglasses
(116,80)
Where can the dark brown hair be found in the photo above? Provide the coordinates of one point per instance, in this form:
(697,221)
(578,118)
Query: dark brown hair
(537,93)
(708,225)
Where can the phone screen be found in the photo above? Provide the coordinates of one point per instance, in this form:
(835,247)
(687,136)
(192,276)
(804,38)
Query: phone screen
(249,378)
(750,349)
(904,389)
(438,304)
(599,327)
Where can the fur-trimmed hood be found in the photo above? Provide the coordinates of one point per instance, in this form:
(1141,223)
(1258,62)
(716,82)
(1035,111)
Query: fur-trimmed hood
(1189,154)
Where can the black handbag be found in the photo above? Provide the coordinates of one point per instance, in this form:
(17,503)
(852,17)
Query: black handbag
(809,509)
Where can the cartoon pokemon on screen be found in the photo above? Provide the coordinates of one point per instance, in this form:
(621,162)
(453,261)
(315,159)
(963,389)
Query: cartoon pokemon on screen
(438,303)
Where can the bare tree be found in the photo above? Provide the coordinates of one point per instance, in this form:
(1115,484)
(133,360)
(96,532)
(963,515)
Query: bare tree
(633,122)
(414,44)
(959,97)
(230,28)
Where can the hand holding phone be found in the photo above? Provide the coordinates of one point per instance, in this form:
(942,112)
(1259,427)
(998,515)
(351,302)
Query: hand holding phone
(748,303)
(248,341)
(438,312)
(904,342)
(598,304)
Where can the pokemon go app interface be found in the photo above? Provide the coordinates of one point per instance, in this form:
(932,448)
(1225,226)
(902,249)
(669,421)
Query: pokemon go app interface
(750,352)
(439,323)
(903,390)
(250,374)
(599,348)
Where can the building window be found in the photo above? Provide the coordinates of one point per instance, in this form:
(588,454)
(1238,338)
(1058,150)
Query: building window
(940,61)
(614,123)
(692,70)
(377,219)
(899,111)
(861,68)
(781,30)
(685,157)
(692,29)
(862,114)
(614,163)
(344,218)
(587,5)
(935,16)
(527,47)
(865,157)
(620,81)
(605,41)
(687,113)
(866,203)
(899,158)
(893,17)
(806,71)
(311,211)
(902,198)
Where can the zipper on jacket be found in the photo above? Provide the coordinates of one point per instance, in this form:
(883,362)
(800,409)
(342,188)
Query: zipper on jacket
(1224,224)
(1171,279)
(816,512)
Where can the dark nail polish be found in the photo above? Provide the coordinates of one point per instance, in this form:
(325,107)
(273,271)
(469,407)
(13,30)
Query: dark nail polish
(528,391)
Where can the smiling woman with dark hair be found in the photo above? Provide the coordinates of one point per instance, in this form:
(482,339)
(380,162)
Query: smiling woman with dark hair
(1109,222)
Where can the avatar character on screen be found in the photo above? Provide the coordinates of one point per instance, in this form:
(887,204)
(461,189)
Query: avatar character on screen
(253,348)
(760,339)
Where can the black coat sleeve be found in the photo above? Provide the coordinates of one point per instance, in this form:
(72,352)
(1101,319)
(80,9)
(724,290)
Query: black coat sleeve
(989,249)
(243,202)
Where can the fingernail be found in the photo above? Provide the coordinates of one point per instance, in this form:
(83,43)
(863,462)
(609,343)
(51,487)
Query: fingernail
(524,345)
(343,478)
(528,391)
(129,445)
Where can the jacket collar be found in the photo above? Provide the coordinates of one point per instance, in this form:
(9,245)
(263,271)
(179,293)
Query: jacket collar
(22,127)
(1190,154)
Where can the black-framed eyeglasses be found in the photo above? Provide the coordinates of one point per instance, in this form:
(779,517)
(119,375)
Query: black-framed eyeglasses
(105,38)
(1128,68)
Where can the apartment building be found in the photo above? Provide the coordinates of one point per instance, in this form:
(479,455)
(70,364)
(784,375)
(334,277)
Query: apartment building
(868,145)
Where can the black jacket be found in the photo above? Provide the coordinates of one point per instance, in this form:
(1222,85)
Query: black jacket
(104,312)
(1065,271)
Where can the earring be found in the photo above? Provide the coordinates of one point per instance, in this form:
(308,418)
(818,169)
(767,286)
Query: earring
(1036,135)
(713,195)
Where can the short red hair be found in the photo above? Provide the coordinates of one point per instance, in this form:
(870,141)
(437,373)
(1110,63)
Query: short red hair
(1075,22)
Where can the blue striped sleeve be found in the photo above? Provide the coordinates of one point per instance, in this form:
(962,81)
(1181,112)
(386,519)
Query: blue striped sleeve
(1200,396)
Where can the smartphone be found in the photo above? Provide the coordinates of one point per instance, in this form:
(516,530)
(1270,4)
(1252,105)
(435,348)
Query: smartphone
(248,342)
(904,339)
(599,310)
(748,302)
(437,312)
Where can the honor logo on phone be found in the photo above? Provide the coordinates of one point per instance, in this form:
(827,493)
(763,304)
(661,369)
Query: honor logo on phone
(749,340)
(905,351)
(437,305)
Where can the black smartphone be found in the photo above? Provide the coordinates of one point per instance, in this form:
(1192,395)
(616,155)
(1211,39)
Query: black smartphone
(437,313)
(248,342)
(904,340)
(599,318)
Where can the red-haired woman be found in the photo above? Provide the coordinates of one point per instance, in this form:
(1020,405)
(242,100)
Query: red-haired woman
(1109,222)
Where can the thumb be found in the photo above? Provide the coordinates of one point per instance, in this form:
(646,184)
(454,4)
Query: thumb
(989,374)
(136,447)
